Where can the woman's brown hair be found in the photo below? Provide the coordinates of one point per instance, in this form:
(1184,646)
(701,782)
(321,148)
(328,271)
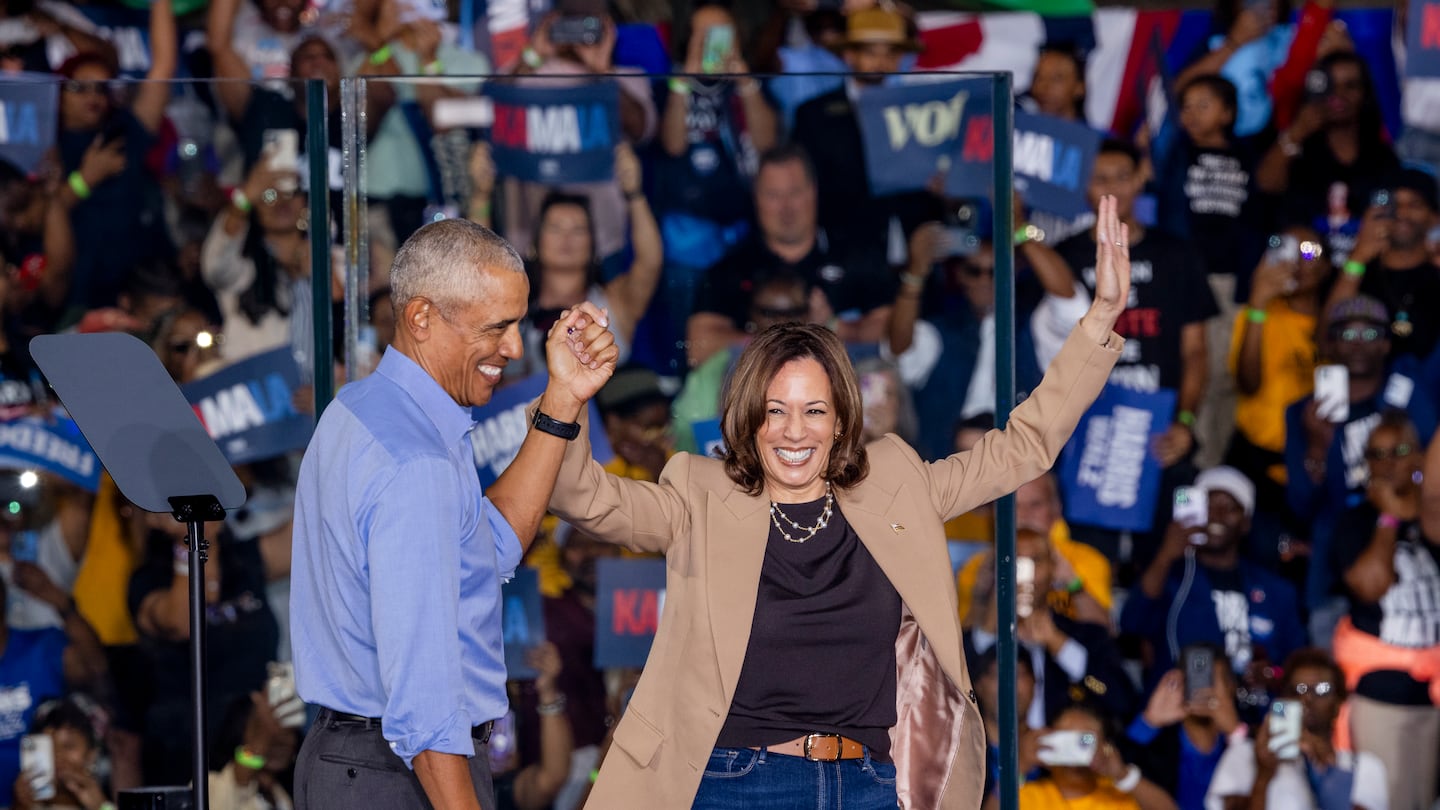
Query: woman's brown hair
(742,404)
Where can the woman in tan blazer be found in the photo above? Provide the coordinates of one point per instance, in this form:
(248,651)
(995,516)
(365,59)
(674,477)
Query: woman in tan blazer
(809,647)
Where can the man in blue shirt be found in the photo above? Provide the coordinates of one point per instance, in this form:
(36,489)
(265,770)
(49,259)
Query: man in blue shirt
(398,556)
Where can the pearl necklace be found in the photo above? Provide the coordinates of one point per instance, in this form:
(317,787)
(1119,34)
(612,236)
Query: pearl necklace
(776,515)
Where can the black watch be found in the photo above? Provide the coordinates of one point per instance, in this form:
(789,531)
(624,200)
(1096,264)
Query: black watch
(545,424)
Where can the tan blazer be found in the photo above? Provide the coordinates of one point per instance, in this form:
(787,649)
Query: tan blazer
(713,536)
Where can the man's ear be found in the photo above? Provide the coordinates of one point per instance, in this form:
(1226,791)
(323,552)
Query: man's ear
(418,317)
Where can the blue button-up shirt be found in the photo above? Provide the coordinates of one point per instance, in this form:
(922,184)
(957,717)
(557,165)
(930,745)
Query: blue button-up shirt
(397,564)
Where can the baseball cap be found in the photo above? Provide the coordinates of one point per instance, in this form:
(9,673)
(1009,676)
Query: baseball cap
(1232,482)
(1363,308)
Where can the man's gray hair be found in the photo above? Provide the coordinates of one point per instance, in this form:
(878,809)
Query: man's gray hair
(445,262)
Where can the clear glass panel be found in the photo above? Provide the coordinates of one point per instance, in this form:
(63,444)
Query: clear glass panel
(163,225)
(503,149)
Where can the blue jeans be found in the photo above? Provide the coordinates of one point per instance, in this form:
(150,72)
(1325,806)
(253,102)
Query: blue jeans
(746,779)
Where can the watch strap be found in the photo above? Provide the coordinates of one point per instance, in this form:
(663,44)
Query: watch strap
(547,424)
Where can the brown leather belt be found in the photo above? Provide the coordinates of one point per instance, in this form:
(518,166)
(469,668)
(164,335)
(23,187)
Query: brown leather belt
(820,748)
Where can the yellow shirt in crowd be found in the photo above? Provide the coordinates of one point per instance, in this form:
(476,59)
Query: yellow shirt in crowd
(1090,565)
(1287,373)
(1042,794)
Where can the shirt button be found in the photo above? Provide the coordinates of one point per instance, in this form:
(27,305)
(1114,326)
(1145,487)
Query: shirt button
(351,772)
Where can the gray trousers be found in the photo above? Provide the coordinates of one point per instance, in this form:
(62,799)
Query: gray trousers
(345,764)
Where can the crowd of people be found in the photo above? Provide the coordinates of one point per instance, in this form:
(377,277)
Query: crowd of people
(1275,227)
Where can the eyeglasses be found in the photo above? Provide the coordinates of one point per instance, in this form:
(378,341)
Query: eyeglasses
(1320,689)
(1385,453)
(1355,334)
(84,88)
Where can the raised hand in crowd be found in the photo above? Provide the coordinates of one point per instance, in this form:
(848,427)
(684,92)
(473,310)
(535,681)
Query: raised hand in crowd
(84,660)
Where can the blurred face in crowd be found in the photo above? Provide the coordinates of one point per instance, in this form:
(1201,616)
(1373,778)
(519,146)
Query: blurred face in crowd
(578,557)
(280,212)
(1037,506)
(73,751)
(1115,173)
(871,61)
(564,240)
(85,98)
(190,342)
(1076,720)
(1360,346)
(785,203)
(642,434)
(1228,523)
(22,208)
(880,393)
(1413,219)
(987,691)
(1057,87)
(1036,547)
(1346,94)
(1319,690)
(1393,456)
(1203,114)
(314,59)
(798,433)
(778,301)
(281,15)
(975,276)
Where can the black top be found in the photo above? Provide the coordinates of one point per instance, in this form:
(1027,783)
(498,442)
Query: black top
(855,280)
(1409,294)
(1217,191)
(821,656)
(1168,291)
(1408,615)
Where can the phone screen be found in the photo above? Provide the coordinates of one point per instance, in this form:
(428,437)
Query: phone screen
(719,41)
(37,762)
(1284,727)
(1199,670)
(1332,393)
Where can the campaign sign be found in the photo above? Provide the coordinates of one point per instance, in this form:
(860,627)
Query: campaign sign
(501,426)
(630,595)
(1052,161)
(1422,42)
(28,104)
(1110,476)
(246,407)
(708,437)
(555,134)
(51,445)
(522,621)
(912,132)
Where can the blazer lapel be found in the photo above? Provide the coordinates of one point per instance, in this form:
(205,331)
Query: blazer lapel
(892,529)
(736,530)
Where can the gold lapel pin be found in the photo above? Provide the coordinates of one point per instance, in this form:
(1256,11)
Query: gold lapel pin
(897,528)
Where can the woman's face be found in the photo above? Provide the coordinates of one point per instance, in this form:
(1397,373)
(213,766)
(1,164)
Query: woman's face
(1314,266)
(1347,93)
(85,98)
(1056,87)
(879,393)
(1393,456)
(565,237)
(798,432)
(279,211)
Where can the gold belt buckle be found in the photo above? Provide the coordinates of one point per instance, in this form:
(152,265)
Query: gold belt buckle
(810,741)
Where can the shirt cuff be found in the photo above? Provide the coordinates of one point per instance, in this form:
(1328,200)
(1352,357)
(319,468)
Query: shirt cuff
(453,737)
(1141,731)
(1073,658)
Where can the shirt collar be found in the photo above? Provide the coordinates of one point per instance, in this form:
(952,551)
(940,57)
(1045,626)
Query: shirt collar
(450,420)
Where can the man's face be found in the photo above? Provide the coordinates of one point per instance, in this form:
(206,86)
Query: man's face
(872,61)
(1228,523)
(1037,549)
(469,345)
(1413,219)
(785,203)
(1393,457)
(315,60)
(1318,690)
(1115,173)
(1036,506)
(975,275)
(1360,346)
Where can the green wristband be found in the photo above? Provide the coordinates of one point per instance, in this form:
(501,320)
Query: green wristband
(1186,418)
(679,86)
(78,185)
(245,759)
(1075,586)
(1354,268)
(1254,315)
(381,55)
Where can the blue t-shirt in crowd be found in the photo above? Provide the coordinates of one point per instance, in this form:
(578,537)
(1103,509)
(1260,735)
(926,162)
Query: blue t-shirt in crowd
(32,670)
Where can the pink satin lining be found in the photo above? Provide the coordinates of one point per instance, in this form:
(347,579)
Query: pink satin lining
(931,726)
